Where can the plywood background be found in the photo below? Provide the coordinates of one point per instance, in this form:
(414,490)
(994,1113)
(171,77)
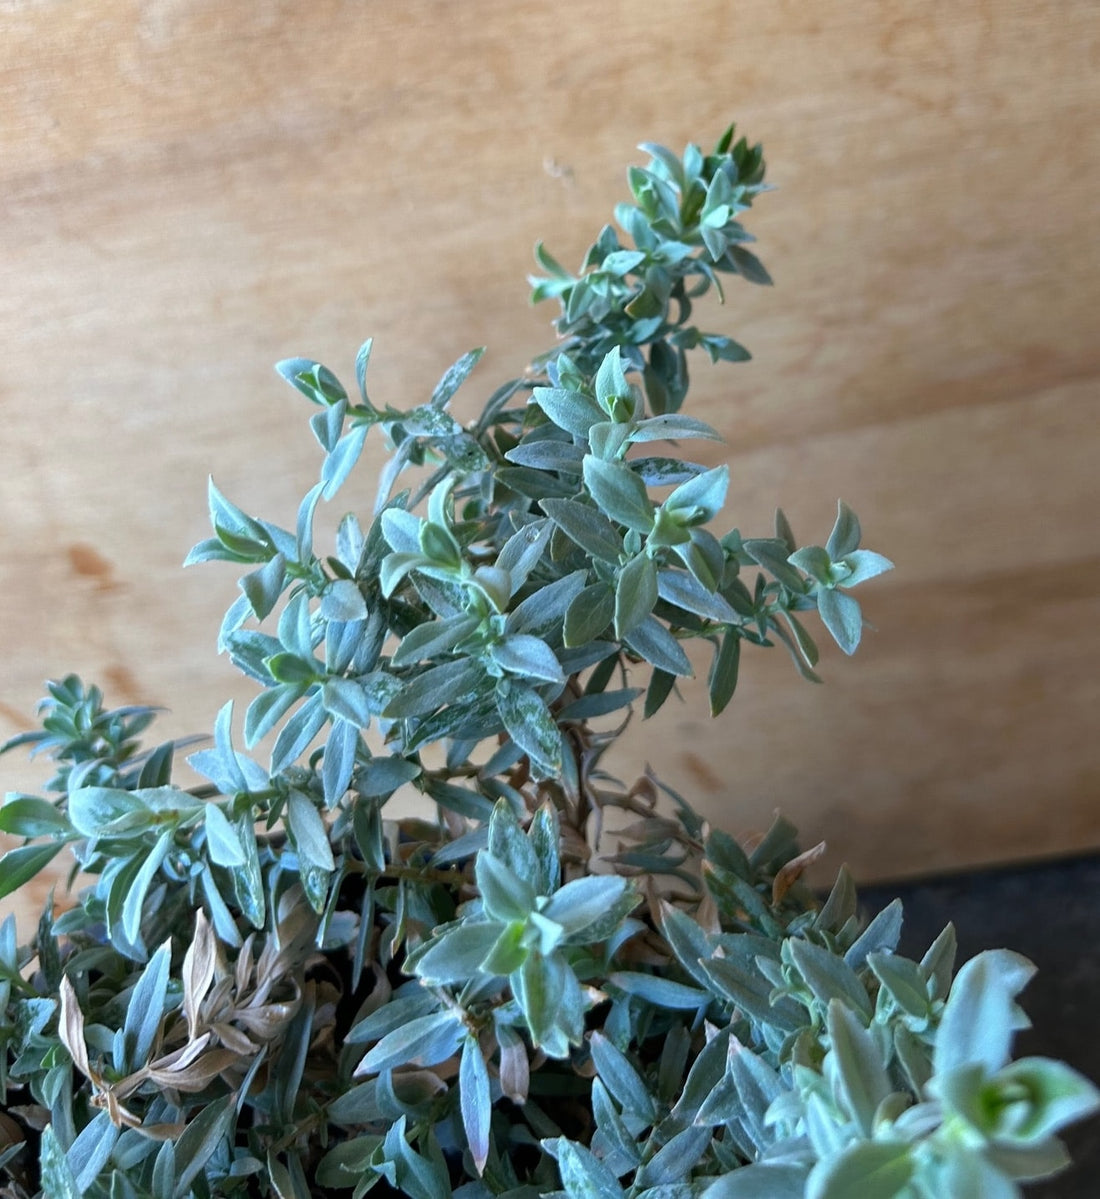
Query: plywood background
(191,190)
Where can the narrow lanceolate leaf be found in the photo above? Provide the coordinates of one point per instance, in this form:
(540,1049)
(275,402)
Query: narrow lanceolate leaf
(844,538)
(764,1180)
(748,991)
(56,1173)
(28,816)
(722,681)
(264,586)
(619,493)
(583,1175)
(432,689)
(653,642)
(675,1160)
(569,410)
(869,1169)
(454,377)
(771,553)
(622,1079)
(434,637)
(200,1140)
(749,266)
(515,1069)
(530,725)
(309,832)
(540,986)
(314,381)
(19,866)
(297,733)
(343,601)
(548,454)
(904,982)
(980,1017)
(506,895)
(703,495)
(346,699)
(90,1152)
(339,761)
(587,526)
(841,615)
(248,883)
(864,565)
(828,976)
(856,1065)
(455,956)
(600,703)
(134,904)
(145,1009)
(686,939)
(528,657)
(362,361)
(95,811)
(267,709)
(584,903)
(881,935)
(424,1041)
(661,992)
(685,591)
(475,1100)
(672,427)
(635,594)
(223,847)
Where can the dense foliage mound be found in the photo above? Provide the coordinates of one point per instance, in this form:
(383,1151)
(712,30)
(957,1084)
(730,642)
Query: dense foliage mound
(272,984)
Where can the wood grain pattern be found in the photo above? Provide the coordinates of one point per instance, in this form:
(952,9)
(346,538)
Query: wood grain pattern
(191,190)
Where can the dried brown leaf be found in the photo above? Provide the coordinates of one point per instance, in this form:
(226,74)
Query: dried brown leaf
(707,914)
(185,1055)
(515,1069)
(197,1075)
(645,789)
(790,873)
(70,1028)
(244,964)
(233,1038)
(162,1132)
(198,970)
(268,1021)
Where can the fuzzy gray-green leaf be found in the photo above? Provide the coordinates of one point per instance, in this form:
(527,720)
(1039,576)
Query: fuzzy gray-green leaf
(530,724)
(619,492)
(635,594)
(857,1064)
(980,1016)
(869,1169)
(841,615)
(653,642)
(309,832)
(569,410)
(474,1100)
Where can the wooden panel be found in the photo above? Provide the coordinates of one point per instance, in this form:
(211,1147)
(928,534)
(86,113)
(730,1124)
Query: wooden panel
(191,190)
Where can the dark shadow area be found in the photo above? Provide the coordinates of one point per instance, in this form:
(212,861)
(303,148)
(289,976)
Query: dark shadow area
(1050,913)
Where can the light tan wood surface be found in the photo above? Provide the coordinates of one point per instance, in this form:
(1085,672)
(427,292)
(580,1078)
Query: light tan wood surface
(191,190)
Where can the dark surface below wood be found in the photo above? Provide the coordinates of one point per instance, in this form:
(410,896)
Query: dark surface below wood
(1049,913)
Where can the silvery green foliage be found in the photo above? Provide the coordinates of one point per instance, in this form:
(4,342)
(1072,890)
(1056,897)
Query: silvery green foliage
(273,985)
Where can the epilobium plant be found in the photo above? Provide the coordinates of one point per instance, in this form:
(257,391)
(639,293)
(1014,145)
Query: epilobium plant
(276,985)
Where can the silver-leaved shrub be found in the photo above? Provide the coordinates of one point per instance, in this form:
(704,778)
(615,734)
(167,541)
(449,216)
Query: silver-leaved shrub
(273,984)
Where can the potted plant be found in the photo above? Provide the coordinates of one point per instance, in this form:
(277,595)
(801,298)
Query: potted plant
(274,984)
